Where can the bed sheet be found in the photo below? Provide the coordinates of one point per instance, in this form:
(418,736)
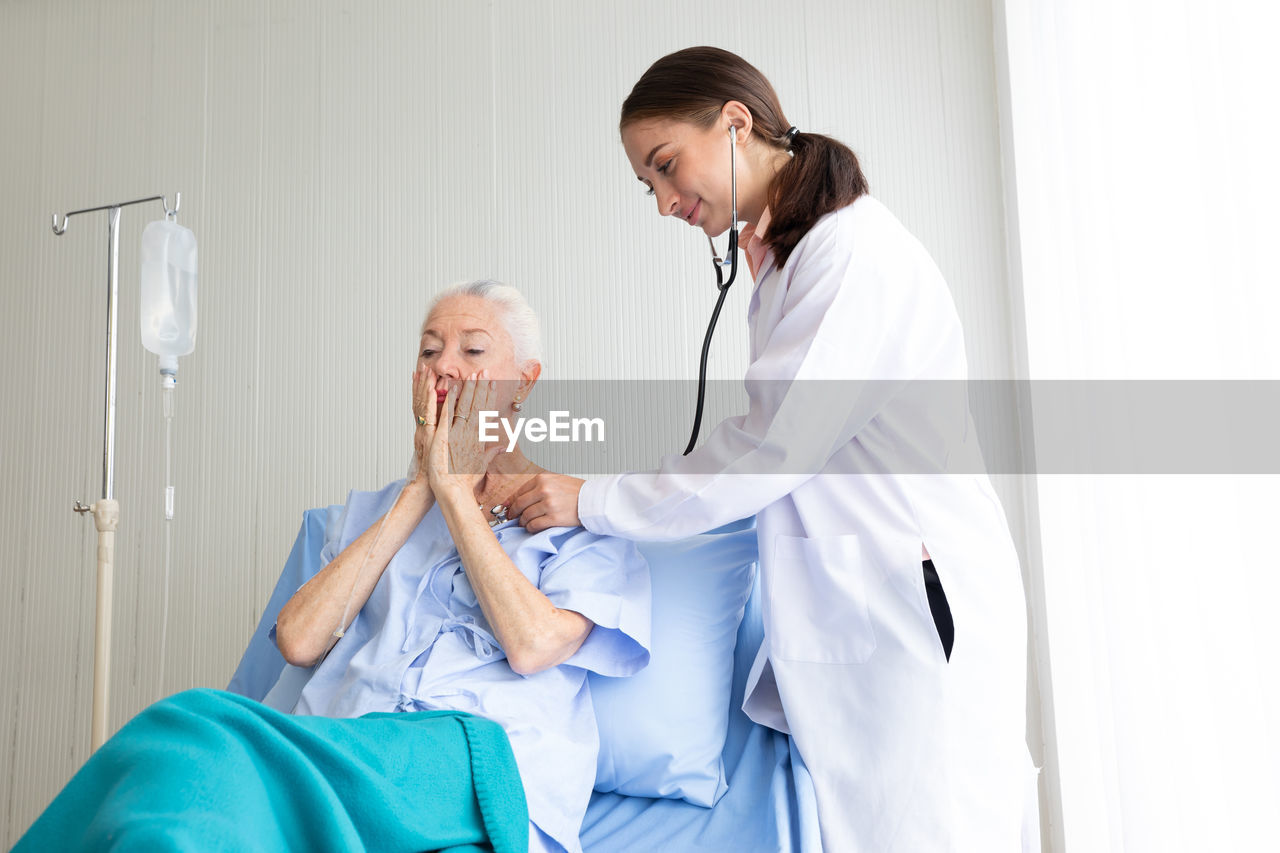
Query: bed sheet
(769,806)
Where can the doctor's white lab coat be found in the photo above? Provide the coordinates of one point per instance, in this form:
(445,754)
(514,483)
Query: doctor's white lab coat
(858,448)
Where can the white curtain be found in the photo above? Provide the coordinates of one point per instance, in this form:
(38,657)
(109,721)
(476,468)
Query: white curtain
(1142,147)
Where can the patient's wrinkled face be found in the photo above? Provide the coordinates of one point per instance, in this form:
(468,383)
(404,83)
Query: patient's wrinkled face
(464,335)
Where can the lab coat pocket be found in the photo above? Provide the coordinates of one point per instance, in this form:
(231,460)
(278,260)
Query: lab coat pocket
(818,601)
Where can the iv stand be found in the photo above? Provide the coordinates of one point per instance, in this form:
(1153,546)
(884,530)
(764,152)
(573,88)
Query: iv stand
(106,512)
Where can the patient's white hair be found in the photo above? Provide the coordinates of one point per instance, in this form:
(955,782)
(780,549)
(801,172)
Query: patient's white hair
(516,315)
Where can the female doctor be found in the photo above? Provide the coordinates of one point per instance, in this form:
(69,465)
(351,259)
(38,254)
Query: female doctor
(895,632)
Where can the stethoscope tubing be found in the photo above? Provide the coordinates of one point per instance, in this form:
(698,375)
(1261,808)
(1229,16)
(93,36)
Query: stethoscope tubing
(721,285)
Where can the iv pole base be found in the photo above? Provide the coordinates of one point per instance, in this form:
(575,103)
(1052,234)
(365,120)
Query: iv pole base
(106,516)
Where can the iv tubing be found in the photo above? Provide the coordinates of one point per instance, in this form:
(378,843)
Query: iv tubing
(167,395)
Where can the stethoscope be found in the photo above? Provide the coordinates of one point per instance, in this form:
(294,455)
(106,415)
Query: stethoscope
(731,261)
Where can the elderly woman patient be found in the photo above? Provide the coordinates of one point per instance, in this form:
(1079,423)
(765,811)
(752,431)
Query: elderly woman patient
(430,603)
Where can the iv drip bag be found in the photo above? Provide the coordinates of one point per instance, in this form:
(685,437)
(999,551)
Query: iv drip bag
(168,292)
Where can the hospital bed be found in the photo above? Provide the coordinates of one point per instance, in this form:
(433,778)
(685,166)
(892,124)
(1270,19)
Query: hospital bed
(763,796)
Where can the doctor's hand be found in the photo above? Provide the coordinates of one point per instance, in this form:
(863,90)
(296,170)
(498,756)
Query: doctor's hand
(548,500)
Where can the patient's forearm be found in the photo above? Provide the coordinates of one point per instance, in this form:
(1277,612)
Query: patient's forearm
(306,625)
(534,633)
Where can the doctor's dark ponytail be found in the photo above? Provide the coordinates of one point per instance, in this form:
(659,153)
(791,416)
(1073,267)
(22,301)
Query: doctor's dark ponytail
(823,175)
(694,84)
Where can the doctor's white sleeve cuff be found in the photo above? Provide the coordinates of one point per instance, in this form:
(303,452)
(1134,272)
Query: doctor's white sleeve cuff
(591,500)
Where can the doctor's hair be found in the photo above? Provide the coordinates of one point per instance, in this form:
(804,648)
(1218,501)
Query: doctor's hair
(514,311)
(694,84)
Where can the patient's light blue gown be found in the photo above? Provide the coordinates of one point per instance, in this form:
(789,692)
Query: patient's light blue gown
(422,643)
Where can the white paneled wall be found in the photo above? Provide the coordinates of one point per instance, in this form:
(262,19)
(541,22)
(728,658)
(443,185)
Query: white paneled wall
(338,161)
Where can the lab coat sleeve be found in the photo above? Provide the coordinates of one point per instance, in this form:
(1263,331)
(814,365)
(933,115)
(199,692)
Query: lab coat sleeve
(865,311)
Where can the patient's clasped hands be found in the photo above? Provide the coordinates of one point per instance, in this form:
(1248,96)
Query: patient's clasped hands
(447,442)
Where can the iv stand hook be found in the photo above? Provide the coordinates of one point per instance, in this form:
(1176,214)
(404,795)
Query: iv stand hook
(170,213)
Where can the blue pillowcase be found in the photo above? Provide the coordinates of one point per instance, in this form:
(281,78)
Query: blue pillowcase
(662,730)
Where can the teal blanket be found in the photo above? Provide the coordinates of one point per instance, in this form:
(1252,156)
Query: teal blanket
(209,770)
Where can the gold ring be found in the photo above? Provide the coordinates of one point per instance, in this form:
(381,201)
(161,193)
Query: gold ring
(421,420)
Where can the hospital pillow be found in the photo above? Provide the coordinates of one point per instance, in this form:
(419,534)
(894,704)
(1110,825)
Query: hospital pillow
(662,730)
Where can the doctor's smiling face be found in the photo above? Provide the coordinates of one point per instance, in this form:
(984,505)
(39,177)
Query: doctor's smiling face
(687,167)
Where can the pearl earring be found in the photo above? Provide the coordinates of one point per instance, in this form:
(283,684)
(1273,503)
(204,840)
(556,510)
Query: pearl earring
(515,404)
